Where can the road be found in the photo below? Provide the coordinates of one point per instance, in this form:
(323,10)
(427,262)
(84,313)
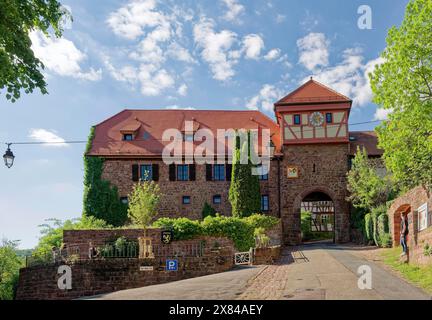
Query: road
(313,271)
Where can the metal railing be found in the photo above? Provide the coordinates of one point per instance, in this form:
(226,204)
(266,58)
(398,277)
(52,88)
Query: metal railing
(65,255)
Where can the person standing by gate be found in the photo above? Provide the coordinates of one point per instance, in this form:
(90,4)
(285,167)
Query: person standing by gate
(404,233)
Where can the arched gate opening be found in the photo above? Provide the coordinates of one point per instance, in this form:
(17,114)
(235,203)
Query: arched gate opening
(317,217)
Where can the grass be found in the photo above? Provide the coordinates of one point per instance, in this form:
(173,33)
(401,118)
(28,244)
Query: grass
(418,275)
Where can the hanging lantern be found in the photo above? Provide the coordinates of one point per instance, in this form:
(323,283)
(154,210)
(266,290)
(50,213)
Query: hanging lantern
(8,157)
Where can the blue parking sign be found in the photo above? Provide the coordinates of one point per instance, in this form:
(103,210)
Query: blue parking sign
(171,265)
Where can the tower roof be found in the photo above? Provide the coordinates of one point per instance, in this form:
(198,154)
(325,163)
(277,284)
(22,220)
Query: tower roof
(312,92)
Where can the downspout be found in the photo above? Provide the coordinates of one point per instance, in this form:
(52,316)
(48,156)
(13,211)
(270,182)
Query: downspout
(279,188)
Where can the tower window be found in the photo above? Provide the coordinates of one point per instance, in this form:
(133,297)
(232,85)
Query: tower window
(182,172)
(329,117)
(297,119)
(219,172)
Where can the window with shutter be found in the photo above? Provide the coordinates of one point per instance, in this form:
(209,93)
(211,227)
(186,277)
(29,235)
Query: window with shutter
(228,169)
(209,173)
(172,172)
(192,173)
(155,169)
(135,172)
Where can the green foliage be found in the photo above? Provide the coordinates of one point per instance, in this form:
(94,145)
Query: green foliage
(368,227)
(19,68)
(208,210)
(234,228)
(403,83)
(10,263)
(120,248)
(367,188)
(380,226)
(52,233)
(244,192)
(427,250)
(183,228)
(100,199)
(240,230)
(261,239)
(306,225)
(143,203)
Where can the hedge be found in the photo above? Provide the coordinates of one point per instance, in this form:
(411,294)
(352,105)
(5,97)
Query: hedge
(239,230)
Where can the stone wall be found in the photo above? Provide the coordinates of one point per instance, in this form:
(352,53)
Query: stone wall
(331,166)
(92,277)
(409,203)
(269,255)
(119,173)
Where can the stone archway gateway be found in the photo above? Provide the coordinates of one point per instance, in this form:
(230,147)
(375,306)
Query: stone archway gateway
(322,211)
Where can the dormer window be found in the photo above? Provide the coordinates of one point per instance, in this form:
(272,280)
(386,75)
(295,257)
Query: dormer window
(127,137)
(297,119)
(329,117)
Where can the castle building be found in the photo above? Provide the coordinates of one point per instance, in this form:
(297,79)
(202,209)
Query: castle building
(312,144)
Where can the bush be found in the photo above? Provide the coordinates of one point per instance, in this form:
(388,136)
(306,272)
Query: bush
(236,229)
(208,210)
(379,223)
(52,234)
(240,230)
(183,228)
(262,221)
(368,227)
(305,225)
(10,264)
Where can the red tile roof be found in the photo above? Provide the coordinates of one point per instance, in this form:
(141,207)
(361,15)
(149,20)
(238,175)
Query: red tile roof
(366,139)
(310,92)
(152,123)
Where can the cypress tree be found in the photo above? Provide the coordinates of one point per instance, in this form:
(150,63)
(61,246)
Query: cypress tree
(244,193)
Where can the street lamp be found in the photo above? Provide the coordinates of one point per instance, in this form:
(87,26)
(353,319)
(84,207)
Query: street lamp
(8,157)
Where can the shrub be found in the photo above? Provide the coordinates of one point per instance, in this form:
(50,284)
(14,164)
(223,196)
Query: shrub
(385,240)
(262,221)
(368,227)
(379,223)
(183,228)
(236,229)
(306,227)
(261,239)
(52,234)
(208,210)
(10,264)
(242,231)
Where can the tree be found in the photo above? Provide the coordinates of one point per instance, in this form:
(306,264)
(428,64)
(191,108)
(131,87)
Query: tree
(19,68)
(10,264)
(244,192)
(143,203)
(403,84)
(101,200)
(367,188)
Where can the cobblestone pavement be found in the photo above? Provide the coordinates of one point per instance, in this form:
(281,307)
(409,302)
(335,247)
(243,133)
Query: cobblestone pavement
(321,271)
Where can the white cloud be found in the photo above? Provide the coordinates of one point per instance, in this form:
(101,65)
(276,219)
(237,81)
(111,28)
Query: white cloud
(234,10)
(176,107)
(265,99)
(272,54)
(182,90)
(62,57)
(253,44)
(215,48)
(154,82)
(280,18)
(350,77)
(51,137)
(179,53)
(131,20)
(382,114)
(313,51)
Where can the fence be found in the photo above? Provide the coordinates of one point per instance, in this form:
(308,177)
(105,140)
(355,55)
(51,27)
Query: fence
(111,251)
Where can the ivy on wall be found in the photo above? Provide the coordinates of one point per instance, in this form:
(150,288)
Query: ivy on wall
(101,200)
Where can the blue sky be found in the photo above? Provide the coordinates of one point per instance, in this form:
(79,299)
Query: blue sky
(231,54)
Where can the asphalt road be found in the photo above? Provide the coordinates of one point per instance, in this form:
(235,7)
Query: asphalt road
(314,271)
